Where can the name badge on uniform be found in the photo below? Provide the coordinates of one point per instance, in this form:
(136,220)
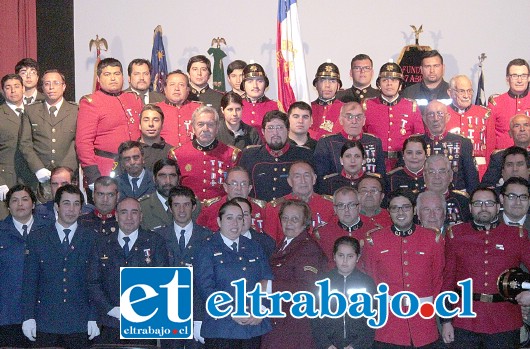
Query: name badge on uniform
(218,254)
(384,251)
(499,247)
(419,252)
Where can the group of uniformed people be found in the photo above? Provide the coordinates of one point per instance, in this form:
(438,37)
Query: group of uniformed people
(290,196)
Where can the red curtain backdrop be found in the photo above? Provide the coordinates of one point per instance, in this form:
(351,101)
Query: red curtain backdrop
(18,33)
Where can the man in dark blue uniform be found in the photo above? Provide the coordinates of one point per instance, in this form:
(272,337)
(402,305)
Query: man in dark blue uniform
(327,151)
(268,164)
(361,73)
(130,246)
(55,305)
(184,239)
(14,231)
(103,219)
(136,180)
(456,148)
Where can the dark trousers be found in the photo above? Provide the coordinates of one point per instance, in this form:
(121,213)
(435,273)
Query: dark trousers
(180,344)
(111,335)
(469,340)
(67,341)
(382,345)
(223,343)
(12,336)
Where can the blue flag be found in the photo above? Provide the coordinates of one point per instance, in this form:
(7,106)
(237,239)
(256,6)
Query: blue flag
(158,62)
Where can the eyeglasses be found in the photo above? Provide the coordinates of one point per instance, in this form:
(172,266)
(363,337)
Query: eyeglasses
(29,72)
(432,114)
(513,197)
(463,92)
(50,83)
(236,184)
(294,220)
(342,206)
(404,208)
(358,68)
(436,210)
(369,191)
(517,76)
(357,117)
(273,127)
(442,171)
(480,203)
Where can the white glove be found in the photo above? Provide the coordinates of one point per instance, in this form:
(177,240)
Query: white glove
(43,175)
(197,331)
(92,330)
(115,312)
(29,328)
(3,191)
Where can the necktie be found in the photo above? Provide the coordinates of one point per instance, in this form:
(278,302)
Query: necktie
(66,242)
(182,240)
(168,208)
(234,246)
(135,184)
(143,96)
(27,100)
(20,111)
(284,245)
(513,223)
(53,109)
(126,246)
(24,231)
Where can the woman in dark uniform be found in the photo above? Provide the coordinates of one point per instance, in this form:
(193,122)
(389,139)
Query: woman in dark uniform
(233,131)
(227,256)
(410,176)
(352,159)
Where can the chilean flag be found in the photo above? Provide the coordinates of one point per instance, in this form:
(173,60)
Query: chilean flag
(292,78)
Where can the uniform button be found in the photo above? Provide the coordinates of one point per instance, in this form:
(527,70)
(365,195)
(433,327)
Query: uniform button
(53,151)
(485,262)
(406,273)
(275,179)
(486,242)
(64,300)
(275,169)
(65,290)
(53,130)
(276,159)
(252,122)
(391,123)
(390,139)
(64,280)
(204,180)
(273,188)
(405,241)
(64,270)
(404,252)
(240,258)
(485,284)
(53,140)
(486,273)
(406,263)
(486,251)
(487,232)
(244,268)
(390,116)
(52,161)
(65,258)
(203,171)
(407,285)
(204,190)
(253,112)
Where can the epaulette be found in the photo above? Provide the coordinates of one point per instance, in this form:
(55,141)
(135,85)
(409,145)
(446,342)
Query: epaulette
(492,100)
(437,234)
(395,170)
(374,174)
(521,232)
(198,102)
(280,106)
(235,153)
(73,103)
(461,192)
(260,203)
(414,104)
(368,234)
(327,135)
(87,97)
(369,134)
(328,197)
(144,197)
(252,146)
(220,92)
(330,176)
(302,146)
(171,154)
(449,231)
(276,202)
(363,103)
(210,202)
(497,150)
(134,93)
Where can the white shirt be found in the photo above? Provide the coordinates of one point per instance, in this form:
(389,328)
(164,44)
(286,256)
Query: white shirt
(14,107)
(247,235)
(288,240)
(61,233)
(58,106)
(133,236)
(141,178)
(19,225)
(506,220)
(188,229)
(229,242)
(162,199)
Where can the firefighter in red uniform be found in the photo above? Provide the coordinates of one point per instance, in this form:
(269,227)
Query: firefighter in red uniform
(255,103)
(408,258)
(345,222)
(371,195)
(204,161)
(391,117)
(326,108)
(106,118)
(177,109)
(237,184)
(302,179)
(508,104)
(467,119)
(482,250)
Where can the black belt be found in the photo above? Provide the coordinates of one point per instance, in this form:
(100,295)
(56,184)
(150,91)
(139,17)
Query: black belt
(105,154)
(391,154)
(486,298)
